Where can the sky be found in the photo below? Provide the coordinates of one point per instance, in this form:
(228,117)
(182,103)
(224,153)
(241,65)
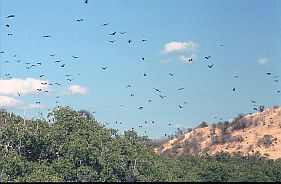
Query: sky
(154,66)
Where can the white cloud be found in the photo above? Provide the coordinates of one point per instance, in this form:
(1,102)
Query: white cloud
(183,47)
(33,106)
(77,89)
(6,101)
(263,61)
(22,86)
(185,52)
(188,59)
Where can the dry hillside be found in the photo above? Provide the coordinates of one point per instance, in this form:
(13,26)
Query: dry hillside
(248,134)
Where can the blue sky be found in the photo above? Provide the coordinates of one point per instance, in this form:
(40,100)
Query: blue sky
(242,37)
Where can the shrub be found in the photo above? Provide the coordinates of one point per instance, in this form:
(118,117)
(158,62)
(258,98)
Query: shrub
(188,130)
(212,130)
(266,140)
(215,140)
(261,108)
(236,138)
(240,123)
(202,125)
(214,125)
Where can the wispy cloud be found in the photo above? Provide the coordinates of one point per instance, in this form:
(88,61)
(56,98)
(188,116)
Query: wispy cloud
(263,61)
(6,101)
(32,106)
(185,52)
(188,59)
(182,47)
(77,89)
(22,86)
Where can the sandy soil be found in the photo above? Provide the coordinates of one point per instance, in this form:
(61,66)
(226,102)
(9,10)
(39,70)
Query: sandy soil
(268,122)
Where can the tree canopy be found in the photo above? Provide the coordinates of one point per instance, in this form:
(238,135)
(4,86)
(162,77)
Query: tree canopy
(75,147)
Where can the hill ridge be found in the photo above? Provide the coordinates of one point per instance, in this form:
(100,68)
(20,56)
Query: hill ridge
(256,133)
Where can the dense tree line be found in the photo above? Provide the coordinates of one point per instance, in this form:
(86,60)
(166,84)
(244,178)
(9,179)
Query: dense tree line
(75,147)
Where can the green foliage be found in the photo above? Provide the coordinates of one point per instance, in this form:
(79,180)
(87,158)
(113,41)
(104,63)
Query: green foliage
(74,147)
(40,172)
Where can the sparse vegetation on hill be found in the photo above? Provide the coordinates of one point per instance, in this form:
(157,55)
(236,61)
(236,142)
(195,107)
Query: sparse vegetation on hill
(75,147)
(245,134)
(266,140)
